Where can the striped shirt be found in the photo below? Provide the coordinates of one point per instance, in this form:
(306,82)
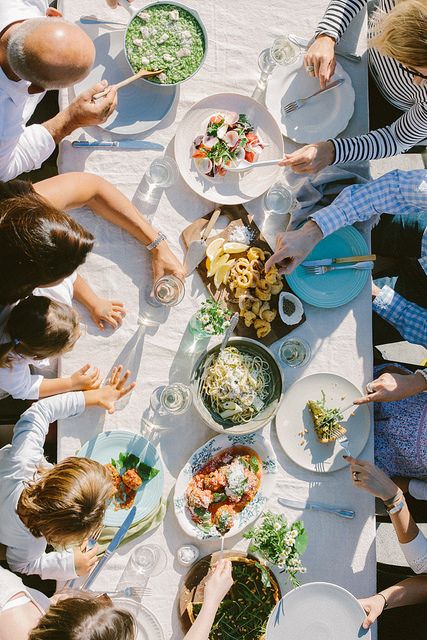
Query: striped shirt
(395,84)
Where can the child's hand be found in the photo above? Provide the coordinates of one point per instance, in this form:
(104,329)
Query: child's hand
(111,311)
(86,378)
(114,390)
(84,561)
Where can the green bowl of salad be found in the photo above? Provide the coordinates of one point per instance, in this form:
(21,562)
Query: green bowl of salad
(167,36)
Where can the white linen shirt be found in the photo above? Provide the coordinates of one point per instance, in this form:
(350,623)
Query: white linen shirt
(21,148)
(17,380)
(18,463)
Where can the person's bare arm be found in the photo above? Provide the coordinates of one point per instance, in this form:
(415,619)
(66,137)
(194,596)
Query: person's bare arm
(72,190)
(87,377)
(405,593)
(101,309)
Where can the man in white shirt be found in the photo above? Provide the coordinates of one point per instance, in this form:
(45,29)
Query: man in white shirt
(39,51)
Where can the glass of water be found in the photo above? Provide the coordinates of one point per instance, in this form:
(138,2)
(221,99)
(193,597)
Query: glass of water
(168,291)
(148,560)
(279,199)
(295,352)
(173,398)
(162,172)
(282,51)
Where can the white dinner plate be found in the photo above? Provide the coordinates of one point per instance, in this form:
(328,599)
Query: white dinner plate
(233,188)
(147,625)
(322,117)
(141,105)
(317,611)
(201,457)
(294,416)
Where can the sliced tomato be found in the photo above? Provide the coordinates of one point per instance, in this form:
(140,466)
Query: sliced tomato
(249,156)
(216,119)
(221,171)
(252,138)
(199,153)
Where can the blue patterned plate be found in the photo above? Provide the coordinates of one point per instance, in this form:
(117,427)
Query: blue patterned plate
(110,444)
(201,457)
(334,288)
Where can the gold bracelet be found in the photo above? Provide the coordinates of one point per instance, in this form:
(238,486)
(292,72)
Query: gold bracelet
(391,501)
(385,600)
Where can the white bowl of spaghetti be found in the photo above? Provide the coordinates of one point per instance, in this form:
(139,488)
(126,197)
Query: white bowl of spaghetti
(238,390)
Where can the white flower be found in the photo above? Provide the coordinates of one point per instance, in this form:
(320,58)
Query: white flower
(294,533)
(303,570)
(276,526)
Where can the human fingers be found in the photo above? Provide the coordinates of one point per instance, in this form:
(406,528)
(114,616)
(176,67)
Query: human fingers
(324,72)
(113,376)
(118,304)
(289,266)
(121,383)
(84,369)
(92,552)
(351,460)
(124,392)
(117,315)
(111,320)
(96,88)
(84,545)
(309,63)
(371,397)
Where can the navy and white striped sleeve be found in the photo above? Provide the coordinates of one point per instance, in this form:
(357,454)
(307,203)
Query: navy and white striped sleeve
(401,135)
(338,16)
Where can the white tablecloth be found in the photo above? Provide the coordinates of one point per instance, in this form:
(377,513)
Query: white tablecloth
(339,551)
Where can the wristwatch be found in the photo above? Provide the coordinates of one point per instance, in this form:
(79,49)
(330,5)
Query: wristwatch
(160,237)
(396,507)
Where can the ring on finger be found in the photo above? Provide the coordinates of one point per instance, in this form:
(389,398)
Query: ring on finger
(310,68)
(370,388)
(355,475)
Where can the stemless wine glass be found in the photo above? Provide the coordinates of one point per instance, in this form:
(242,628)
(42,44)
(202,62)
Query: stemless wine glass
(162,172)
(282,51)
(168,291)
(295,352)
(279,199)
(148,560)
(173,398)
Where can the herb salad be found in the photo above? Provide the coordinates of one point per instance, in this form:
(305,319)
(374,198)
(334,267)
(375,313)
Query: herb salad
(168,37)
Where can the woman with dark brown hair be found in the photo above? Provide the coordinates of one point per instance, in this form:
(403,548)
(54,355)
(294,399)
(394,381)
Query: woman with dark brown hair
(40,244)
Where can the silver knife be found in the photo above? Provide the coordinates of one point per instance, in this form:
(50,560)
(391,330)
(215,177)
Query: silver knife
(315,506)
(117,144)
(305,44)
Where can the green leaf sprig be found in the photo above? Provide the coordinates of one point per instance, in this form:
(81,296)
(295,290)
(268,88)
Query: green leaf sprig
(128,461)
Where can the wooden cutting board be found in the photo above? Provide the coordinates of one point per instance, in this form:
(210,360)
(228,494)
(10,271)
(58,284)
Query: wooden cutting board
(238,216)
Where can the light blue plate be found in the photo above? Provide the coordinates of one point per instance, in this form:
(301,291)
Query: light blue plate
(109,445)
(333,288)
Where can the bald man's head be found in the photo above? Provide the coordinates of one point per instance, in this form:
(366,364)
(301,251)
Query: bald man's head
(51,53)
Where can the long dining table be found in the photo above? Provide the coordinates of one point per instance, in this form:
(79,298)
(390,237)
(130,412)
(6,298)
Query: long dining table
(339,551)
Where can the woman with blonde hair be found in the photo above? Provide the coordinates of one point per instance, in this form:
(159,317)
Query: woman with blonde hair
(398,82)
(61,505)
(26,614)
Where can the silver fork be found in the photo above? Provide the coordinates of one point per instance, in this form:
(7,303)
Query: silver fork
(319,270)
(297,104)
(128,592)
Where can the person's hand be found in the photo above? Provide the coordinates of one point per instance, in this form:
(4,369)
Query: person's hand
(114,3)
(311,158)
(319,61)
(218,584)
(293,246)
(115,389)
(86,378)
(84,111)
(163,262)
(366,475)
(375,290)
(373,606)
(84,561)
(389,387)
(111,311)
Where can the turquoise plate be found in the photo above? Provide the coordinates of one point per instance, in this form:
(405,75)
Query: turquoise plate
(333,288)
(108,445)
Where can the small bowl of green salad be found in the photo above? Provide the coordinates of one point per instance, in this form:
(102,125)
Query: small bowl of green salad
(167,36)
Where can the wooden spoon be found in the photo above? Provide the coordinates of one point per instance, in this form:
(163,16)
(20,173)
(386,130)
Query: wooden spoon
(142,73)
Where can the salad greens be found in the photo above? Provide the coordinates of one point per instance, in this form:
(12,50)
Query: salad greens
(128,461)
(229,139)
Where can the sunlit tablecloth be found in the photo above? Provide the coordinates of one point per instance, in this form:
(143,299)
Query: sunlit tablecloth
(339,551)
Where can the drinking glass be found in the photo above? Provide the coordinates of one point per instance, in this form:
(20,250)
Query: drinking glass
(282,52)
(148,560)
(162,172)
(196,328)
(279,199)
(173,398)
(168,291)
(295,352)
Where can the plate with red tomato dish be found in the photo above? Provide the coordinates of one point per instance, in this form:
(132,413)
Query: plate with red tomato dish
(220,132)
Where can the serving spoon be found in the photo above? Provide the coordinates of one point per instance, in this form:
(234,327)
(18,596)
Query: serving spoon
(142,73)
(244,165)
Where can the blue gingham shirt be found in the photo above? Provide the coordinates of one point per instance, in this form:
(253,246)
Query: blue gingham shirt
(395,193)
